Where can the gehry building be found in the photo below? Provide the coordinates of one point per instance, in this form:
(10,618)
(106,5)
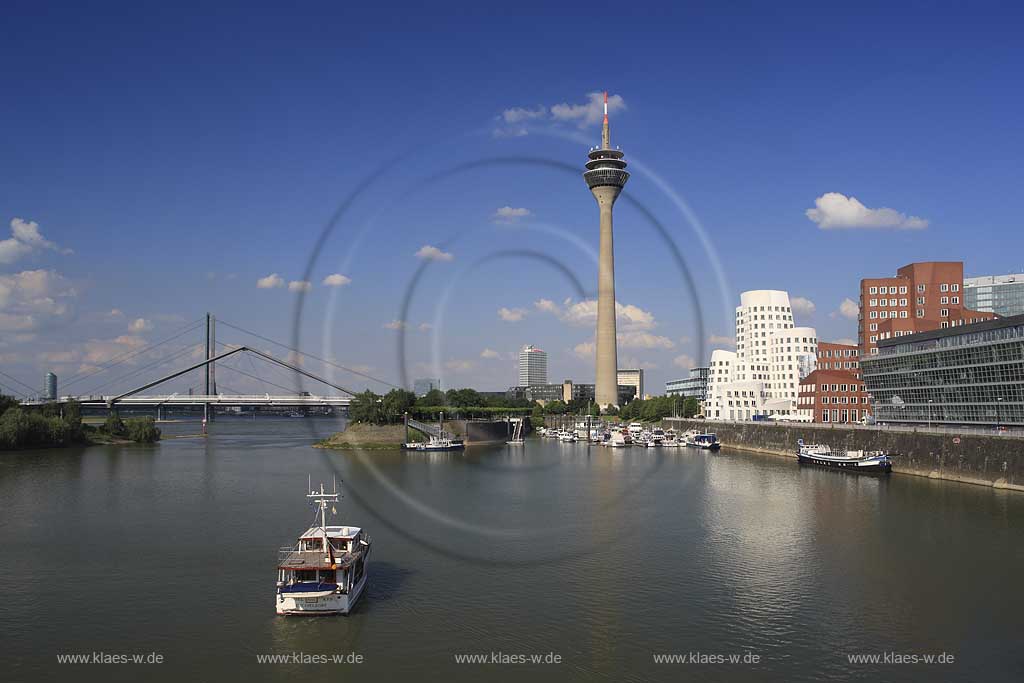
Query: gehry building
(762,377)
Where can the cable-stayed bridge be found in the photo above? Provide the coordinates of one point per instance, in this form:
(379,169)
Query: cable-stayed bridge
(192,375)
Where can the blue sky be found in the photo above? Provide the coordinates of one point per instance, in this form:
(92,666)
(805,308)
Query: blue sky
(160,160)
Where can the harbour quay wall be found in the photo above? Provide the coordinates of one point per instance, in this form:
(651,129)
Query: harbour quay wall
(987,460)
(476,432)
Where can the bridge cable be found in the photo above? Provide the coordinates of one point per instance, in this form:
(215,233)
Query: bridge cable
(309,355)
(160,361)
(121,358)
(19,382)
(259,379)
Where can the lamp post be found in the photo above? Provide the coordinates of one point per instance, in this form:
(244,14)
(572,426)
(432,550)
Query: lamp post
(930,401)
(999,413)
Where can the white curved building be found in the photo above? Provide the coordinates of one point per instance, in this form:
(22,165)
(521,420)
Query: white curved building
(772,355)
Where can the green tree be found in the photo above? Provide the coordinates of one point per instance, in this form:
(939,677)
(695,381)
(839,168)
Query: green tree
(142,429)
(691,407)
(433,398)
(7,402)
(114,425)
(395,403)
(555,407)
(464,398)
(365,407)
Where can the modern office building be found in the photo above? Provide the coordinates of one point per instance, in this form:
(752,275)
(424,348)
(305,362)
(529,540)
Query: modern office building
(921,297)
(694,386)
(999,294)
(833,396)
(632,378)
(566,391)
(421,387)
(965,375)
(762,377)
(606,175)
(50,387)
(533,366)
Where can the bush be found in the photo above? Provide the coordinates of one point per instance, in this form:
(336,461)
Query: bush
(23,429)
(114,426)
(142,430)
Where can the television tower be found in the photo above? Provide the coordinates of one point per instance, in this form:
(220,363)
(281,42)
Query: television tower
(606,175)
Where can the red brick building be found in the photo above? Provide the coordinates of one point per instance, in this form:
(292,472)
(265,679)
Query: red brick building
(833,396)
(921,297)
(836,356)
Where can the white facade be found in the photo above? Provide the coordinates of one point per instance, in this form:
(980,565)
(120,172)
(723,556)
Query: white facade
(632,378)
(533,366)
(763,376)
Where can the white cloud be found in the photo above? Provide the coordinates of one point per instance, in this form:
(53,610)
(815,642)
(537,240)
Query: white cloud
(511,315)
(684,361)
(584,313)
(508,214)
(140,325)
(460,365)
(490,354)
(271,281)
(585,350)
(115,313)
(432,253)
(802,305)
(33,299)
(589,112)
(639,339)
(836,210)
(336,280)
(424,327)
(721,340)
(395,325)
(848,309)
(513,122)
(300,286)
(25,238)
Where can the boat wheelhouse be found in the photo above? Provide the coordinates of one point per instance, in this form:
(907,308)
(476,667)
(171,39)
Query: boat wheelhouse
(325,572)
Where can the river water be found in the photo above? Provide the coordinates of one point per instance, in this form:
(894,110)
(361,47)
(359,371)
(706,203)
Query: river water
(604,559)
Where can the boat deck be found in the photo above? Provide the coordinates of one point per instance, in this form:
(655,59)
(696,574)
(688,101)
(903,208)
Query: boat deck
(290,558)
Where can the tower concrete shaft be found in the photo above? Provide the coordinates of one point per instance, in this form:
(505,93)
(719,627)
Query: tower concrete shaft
(606,175)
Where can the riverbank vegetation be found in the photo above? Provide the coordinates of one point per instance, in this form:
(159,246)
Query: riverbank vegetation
(389,408)
(54,425)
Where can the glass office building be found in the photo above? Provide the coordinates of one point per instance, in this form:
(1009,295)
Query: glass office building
(965,375)
(999,294)
(694,386)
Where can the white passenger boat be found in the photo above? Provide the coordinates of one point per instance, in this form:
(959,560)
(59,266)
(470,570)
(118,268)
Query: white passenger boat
(851,461)
(635,430)
(619,438)
(326,571)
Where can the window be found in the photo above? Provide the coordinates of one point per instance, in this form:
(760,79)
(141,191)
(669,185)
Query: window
(892,302)
(873,314)
(920,313)
(874,327)
(944,300)
(955,300)
(903,302)
(873,302)
(873,290)
(944,312)
(903,290)
(920,289)
(954,288)
(903,314)
(943,287)
(883,314)
(883,290)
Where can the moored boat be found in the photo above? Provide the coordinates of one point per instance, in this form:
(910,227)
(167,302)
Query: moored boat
(707,440)
(822,455)
(325,572)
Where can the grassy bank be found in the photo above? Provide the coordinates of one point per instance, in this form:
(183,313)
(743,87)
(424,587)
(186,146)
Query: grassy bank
(370,437)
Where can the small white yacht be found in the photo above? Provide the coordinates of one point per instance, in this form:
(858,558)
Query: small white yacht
(325,572)
(619,438)
(635,430)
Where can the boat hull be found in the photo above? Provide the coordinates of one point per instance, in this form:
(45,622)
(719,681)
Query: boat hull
(868,466)
(319,603)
